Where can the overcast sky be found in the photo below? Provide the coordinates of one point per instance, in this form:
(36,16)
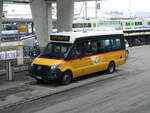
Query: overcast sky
(106,6)
(123,5)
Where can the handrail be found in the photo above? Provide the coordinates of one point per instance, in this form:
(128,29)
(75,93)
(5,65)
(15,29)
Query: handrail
(27,37)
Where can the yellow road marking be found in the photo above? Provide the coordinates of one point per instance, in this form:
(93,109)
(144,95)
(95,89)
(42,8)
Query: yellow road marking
(36,86)
(26,83)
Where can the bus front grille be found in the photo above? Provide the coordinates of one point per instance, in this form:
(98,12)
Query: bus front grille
(41,70)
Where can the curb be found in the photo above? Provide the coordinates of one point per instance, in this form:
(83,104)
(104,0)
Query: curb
(88,82)
(16,70)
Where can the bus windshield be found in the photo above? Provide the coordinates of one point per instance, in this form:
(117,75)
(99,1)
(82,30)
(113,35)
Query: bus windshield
(56,50)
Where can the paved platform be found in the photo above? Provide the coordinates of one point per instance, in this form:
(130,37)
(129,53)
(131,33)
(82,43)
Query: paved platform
(24,88)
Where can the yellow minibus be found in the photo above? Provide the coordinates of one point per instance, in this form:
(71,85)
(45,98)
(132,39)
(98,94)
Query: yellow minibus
(73,54)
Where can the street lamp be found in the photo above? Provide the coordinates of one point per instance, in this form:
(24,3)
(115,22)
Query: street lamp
(97,6)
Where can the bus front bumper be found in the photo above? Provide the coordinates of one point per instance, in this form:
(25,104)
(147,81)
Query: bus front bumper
(54,75)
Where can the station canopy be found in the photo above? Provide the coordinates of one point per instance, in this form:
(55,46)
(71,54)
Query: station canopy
(23,1)
(27,1)
(16,1)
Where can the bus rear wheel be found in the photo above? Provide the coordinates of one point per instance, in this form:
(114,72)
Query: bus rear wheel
(111,68)
(127,53)
(66,78)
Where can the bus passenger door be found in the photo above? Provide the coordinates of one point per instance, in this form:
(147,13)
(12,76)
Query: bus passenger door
(79,62)
(79,66)
(97,61)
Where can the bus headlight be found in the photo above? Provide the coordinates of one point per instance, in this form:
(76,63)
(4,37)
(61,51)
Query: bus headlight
(55,67)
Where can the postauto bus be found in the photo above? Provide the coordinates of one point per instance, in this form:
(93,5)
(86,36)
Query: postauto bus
(73,54)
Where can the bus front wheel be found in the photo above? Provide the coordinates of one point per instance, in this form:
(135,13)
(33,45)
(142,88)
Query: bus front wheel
(111,68)
(66,78)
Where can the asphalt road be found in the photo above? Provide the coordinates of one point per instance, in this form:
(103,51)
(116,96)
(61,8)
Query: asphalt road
(127,92)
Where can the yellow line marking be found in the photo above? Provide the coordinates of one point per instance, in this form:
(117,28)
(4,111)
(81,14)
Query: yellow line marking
(36,86)
(27,83)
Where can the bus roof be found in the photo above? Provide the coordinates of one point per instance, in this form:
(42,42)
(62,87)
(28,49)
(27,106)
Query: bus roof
(74,35)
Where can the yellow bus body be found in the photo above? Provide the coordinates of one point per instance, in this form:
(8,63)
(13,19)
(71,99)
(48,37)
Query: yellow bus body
(86,65)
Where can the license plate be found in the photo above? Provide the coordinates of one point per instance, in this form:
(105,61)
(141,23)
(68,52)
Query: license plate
(39,67)
(39,77)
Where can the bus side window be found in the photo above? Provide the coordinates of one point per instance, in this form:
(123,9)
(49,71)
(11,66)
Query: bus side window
(88,48)
(91,47)
(77,51)
(100,46)
(116,44)
(107,45)
(94,47)
(104,46)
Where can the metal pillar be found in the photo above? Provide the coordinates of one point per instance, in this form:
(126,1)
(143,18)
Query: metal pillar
(10,72)
(1,14)
(65,12)
(42,17)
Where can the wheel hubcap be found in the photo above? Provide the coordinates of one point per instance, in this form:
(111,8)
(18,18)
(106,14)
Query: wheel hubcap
(66,78)
(111,69)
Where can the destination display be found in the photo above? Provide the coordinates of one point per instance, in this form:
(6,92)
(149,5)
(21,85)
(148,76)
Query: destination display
(59,38)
